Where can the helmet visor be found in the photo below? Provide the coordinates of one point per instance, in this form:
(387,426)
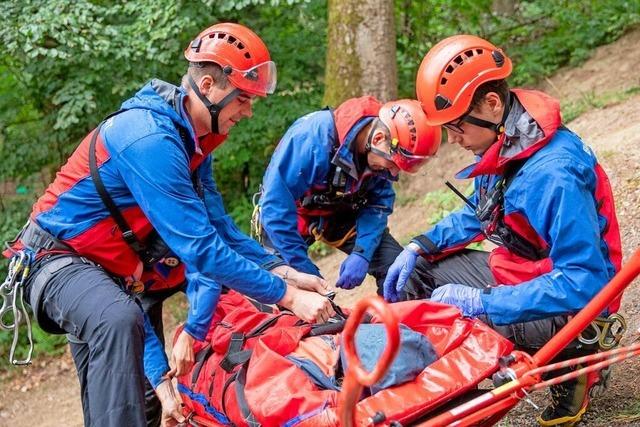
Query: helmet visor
(260,80)
(407,161)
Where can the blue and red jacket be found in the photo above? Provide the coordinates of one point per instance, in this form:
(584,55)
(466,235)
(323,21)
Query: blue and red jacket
(559,200)
(146,168)
(303,163)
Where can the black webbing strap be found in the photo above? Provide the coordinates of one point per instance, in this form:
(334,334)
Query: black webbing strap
(235,355)
(262,308)
(127,234)
(265,325)
(241,399)
(201,358)
(225,387)
(329,328)
(123,225)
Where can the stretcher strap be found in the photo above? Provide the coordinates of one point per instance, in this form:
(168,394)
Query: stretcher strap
(235,355)
(201,358)
(243,405)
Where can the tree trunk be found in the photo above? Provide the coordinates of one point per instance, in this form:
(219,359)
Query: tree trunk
(361,51)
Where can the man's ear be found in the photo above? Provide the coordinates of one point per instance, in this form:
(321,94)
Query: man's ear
(494,103)
(205,84)
(378,137)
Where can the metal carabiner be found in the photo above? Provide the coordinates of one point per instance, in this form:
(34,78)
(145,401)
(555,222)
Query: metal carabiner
(8,293)
(613,331)
(608,331)
(12,293)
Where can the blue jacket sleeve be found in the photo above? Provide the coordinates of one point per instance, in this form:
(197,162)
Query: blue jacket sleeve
(454,231)
(372,219)
(562,210)
(226,227)
(156,171)
(155,360)
(298,162)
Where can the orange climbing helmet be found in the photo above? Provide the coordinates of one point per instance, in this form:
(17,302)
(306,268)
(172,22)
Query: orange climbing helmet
(413,142)
(243,56)
(451,72)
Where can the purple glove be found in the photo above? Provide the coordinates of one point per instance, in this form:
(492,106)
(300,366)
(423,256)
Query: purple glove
(398,274)
(352,271)
(466,298)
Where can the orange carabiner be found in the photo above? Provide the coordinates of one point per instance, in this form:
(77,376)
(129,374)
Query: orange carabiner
(356,376)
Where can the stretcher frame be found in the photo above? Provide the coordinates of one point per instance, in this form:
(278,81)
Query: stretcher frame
(524,370)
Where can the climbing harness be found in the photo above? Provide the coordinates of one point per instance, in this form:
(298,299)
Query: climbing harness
(13,311)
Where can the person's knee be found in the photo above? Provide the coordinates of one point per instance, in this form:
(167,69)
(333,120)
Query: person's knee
(124,319)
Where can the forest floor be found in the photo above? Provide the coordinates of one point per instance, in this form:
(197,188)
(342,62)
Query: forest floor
(603,95)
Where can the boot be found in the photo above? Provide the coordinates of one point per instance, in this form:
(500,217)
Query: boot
(570,399)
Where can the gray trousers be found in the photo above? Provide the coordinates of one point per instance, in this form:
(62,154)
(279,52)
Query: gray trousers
(107,342)
(471,268)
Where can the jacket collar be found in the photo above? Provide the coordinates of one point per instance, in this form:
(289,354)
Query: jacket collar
(532,122)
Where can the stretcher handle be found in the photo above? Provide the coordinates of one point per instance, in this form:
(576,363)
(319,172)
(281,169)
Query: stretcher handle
(376,304)
(356,376)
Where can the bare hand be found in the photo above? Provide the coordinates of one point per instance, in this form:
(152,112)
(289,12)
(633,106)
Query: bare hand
(182,357)
(171,405)
(309,306)
(304,281)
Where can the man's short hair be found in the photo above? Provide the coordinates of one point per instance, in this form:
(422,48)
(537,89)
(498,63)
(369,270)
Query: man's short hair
(197,70)
(498,86)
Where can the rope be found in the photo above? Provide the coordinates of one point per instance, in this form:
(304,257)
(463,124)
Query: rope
(319,236)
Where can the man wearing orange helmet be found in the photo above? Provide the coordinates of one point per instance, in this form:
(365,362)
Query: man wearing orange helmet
(540,196)
(330,179)
(136,209)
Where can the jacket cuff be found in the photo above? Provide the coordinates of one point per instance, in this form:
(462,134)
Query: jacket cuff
(272,263)
(357,249)
(156,377)
(195,331)
(426,245)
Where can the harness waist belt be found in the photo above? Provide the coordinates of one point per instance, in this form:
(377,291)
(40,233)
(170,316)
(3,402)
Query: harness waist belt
(34,237)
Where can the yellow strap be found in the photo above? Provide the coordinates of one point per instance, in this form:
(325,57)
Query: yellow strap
(335,243)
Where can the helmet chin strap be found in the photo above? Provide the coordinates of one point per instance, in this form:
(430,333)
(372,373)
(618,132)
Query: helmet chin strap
(214,109)
(498,128)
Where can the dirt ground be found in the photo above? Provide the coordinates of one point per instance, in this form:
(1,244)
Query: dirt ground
(46,394)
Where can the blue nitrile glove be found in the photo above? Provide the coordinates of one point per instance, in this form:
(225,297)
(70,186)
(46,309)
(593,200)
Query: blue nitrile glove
(398,274)
(466,298)
(352,271)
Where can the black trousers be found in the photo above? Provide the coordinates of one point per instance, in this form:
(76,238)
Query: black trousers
(106,330)
(471,268)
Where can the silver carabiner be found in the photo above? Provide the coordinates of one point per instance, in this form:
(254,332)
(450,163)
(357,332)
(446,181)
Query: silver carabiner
(12,294)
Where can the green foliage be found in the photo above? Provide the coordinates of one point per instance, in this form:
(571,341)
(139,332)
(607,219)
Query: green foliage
(442,202)
(589,101)
(319,249)
(540,36)
(65,65)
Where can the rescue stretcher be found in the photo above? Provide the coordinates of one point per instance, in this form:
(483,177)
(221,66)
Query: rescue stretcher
(445,393)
